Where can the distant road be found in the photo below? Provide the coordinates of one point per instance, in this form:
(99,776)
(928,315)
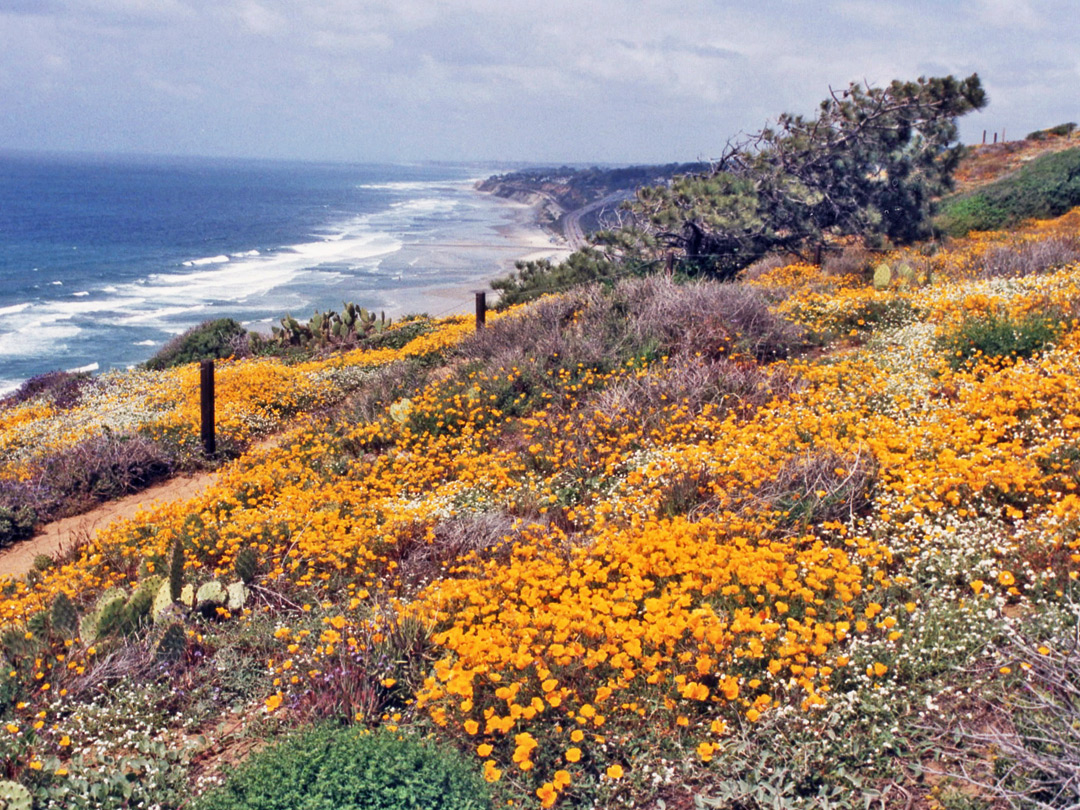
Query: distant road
(572,230)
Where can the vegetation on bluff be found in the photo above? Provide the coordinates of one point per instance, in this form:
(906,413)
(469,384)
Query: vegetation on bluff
(869,164)
(759,543)
(1046,187)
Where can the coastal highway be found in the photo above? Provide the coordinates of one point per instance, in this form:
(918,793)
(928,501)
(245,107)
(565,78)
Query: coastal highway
(572,230)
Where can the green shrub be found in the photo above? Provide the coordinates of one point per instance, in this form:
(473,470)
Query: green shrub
(210,340)
(16,523)
(999,336)
(335,768)
(1047,187)
(1060,130)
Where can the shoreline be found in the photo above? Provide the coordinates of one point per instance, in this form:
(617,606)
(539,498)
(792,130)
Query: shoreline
(524,239)
(421,278)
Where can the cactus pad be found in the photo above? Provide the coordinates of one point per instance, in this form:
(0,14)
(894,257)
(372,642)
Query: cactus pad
(236,596)
(162,601)
(172,644)
(65,618)
(246,565)
(210,596)
(882,276)
(14,796)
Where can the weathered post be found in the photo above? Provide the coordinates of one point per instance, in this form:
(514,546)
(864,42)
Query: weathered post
(481,309)
(206,389)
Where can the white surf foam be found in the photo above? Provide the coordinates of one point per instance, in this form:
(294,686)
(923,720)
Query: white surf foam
(84,369)
(81,294)
(14,309)
(145,343)
(416,185)
(35,337)
(156,316)
(208,260)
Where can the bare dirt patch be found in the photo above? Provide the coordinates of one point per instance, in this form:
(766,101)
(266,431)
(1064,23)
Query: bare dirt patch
(62,536)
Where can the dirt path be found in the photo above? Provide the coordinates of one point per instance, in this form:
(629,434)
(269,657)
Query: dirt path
(65,534)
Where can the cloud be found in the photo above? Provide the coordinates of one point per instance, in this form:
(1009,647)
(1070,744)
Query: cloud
(562,80)
(260,20)
(1010,14)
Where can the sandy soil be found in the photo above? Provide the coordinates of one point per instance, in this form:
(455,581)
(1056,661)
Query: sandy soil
(61,536)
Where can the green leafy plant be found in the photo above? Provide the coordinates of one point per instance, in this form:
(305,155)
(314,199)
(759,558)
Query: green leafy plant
(995,336)
(16,523)
(211,340)
(351,769)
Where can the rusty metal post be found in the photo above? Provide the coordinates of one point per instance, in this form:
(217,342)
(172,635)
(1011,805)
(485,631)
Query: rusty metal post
(206,389)
(481,309)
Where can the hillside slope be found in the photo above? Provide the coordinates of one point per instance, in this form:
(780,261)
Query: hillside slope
(792,540)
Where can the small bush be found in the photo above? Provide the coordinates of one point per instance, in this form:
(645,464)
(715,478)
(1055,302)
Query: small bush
(351,769)
(1060,130)
(999,336)
(103,468)
(211,340)
(16,523)
(819,486)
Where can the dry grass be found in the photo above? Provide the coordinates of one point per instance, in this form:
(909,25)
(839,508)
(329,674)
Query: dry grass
(599,328)
(1031,258)
(821,485)
(1026,745)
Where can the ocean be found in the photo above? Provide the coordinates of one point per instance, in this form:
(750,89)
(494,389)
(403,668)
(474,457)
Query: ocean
(104,259)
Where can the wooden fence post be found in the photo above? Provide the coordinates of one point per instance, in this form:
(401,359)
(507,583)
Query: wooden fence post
(206,389)
(481,309)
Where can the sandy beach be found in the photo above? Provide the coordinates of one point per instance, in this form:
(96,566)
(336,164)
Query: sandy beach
(521,239)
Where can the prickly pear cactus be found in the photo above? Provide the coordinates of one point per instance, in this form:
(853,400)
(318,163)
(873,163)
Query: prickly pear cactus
(176,570)
(88,625)
(400,410)
(112,620)
(106,617)
(38,624)
(882,276)
(162,601)
(14,796)
(236,595)
(64,615)
(246,565)
(210,596)
(110,596)
(187,596)
(138,607)
(172,644)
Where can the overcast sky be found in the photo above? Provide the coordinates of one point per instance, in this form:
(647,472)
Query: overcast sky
(562,80)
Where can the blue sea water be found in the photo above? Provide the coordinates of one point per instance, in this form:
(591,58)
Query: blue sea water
(103,259)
